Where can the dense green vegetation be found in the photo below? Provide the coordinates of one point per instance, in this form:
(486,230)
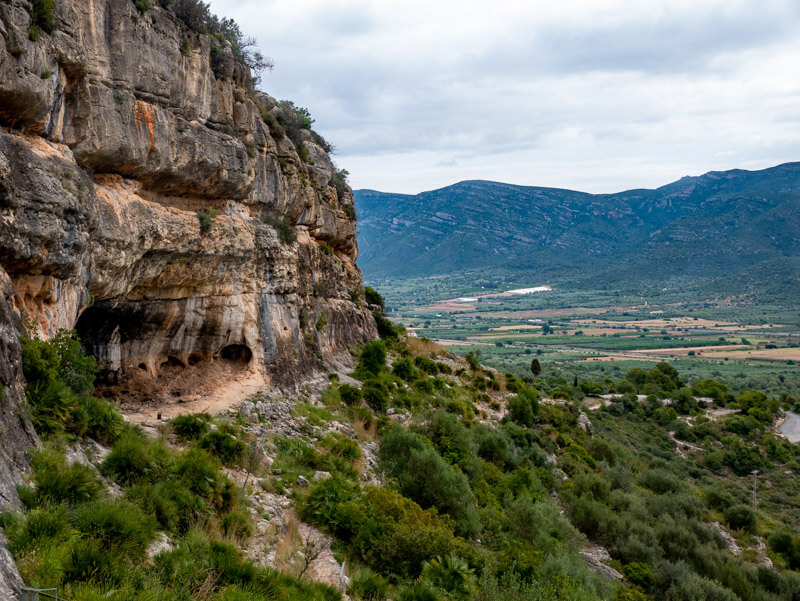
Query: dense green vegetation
(491,486)
(76,535)
(646,482)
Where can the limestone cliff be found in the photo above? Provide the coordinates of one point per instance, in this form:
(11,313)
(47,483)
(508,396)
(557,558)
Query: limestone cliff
(115,131)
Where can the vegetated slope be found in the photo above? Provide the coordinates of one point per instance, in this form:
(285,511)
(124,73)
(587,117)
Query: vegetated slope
(706,227)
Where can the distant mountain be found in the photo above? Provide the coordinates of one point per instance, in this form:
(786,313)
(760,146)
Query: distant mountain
(719,226)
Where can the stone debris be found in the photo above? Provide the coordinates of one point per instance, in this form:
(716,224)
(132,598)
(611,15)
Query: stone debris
(729,540)
(160,545)
(595,557)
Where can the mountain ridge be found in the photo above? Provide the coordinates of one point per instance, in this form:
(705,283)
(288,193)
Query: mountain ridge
(541,230)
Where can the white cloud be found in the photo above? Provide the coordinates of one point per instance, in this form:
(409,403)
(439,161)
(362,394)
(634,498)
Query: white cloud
(598,95)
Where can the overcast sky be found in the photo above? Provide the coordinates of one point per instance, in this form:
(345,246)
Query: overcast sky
(593,95)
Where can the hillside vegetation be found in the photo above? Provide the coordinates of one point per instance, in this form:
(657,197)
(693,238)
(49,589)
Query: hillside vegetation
(458,483)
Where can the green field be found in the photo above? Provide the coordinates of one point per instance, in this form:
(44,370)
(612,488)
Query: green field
(745,341)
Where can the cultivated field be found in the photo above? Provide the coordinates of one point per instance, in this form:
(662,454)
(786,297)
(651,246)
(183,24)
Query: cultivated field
(598,334)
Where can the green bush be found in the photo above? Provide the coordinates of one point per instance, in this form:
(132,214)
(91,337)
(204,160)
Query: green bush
(385,327)
(38,528)
(104,421)
(90,561)
(236,525)
(375,396)
(427,366)
(418,592)
(229,449)
(57,481)
(282,227)
(117,524)
(524,407)
(190,427)
(393,534)
(52,405)
(60,358)
(134,458)
(660,481)
(741,517)
(368,586)
(201,474)
(373,358)
(451,574)
(421,474)
(350,395)
(43,14)
(373,297)
(143,5)
(206,217)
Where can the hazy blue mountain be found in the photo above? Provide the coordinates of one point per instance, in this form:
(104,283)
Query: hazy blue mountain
(718,226)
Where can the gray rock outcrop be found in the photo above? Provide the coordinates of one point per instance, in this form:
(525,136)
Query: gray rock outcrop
(151,202)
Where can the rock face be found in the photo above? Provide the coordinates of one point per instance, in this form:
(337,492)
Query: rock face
(16,432)
(116,131)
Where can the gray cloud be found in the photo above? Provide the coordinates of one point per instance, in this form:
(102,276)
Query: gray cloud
(591,94)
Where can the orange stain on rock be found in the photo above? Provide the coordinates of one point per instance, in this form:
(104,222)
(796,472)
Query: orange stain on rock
(145,112)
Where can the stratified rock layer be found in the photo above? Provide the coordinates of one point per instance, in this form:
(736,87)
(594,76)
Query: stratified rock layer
(116,132)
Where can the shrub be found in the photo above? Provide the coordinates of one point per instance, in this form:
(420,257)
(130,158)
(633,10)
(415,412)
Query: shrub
(143,5)
(195,14)
(422,475)
(718,499)
(368,585)
(104,421)
(321,506)
(373,297)
(60,358)
(60,482)
(418,592)
(229,449)
(190,427)
(375,396)
(373,358)
(339,180)
(282,227)
(660,481)
(640,574)
(200,473)
(404,368)
(90,561)
(236,525)
(43,14)
(52,404)
(206,217)
(741,517)
(393,534)
(524,406)
(350,395)
(38,528)
(134,458)
(116,524)
(451,574)
(492,446)
(385,327)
